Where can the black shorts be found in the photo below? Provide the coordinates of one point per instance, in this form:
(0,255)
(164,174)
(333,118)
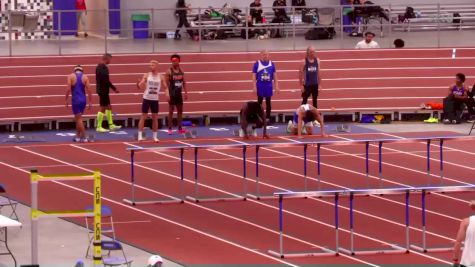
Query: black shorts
(176,100)
(151,105)
(311,90)
(104,100)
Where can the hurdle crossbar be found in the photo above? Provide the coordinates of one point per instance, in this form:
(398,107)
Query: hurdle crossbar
(394,248)
(36,214)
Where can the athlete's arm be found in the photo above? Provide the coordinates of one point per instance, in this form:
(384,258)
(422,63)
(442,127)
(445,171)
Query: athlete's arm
(459,239)
(68,90)
(450,91)
(88,91)
(276,83)
(319,76)
(141,82)
(184,86)
(300,122)
(319,118)
(254,78)
(165,87)
(302,65)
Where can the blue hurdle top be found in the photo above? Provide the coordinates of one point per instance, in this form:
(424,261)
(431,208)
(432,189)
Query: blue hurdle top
(298,143)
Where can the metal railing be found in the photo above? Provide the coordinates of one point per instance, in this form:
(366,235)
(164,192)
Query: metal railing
(433,26)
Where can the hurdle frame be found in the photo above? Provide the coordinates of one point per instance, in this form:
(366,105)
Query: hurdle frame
(196,197)
(324,252)
(395,249)
(36,214)
(140,202)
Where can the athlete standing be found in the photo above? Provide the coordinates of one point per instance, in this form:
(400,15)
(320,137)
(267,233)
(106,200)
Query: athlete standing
(176,84)
(78,86)
(151,83)
(103,85)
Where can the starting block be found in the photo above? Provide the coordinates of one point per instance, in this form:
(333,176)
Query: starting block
(343,128)
(14,138)
(190,134)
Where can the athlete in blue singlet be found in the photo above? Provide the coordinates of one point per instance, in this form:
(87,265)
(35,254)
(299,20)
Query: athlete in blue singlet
(303,121)
(309,77)
(78,86)
(265,81)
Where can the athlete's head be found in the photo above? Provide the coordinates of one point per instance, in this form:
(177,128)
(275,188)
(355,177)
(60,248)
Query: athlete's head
(369,36)
(265,55)
(154,66)
(311,52)
(106,58)
(175,59)
(309,116)
(78,68)
(155,261)
(459,78)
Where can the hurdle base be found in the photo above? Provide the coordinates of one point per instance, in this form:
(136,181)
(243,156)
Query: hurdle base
(395,249)
(432,249)
(152,202)
(218,199)
(325,252)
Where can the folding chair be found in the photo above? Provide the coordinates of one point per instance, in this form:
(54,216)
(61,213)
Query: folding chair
(5,201)
(107,225)
(120,259)
(326,18)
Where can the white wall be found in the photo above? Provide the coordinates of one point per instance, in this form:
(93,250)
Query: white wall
(96,20)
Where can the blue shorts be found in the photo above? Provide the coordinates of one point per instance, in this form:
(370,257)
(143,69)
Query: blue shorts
(264,91)
(79,107)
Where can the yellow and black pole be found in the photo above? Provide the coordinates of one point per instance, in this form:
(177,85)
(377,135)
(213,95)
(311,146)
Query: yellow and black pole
(36,214)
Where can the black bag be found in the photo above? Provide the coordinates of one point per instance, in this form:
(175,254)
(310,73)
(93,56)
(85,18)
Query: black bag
(221,35)
(318,34)
(410,14)
(455,20)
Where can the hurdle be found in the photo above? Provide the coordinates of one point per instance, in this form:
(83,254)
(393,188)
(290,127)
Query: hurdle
(324,252)
(134,201)
(36,214)
(195,197)
(424,248)
(352,251)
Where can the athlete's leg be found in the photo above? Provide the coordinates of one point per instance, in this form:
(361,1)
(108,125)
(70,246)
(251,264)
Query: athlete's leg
(179,110)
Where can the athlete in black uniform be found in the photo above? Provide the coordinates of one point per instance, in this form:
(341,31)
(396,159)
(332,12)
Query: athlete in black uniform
(103,85)
(176,85)
(253,113)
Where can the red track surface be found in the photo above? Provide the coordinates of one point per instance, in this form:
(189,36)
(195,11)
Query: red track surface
(241,232)
(219,83)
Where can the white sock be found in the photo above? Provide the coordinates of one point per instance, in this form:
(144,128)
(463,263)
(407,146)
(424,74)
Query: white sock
(155,135)
(140,136)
